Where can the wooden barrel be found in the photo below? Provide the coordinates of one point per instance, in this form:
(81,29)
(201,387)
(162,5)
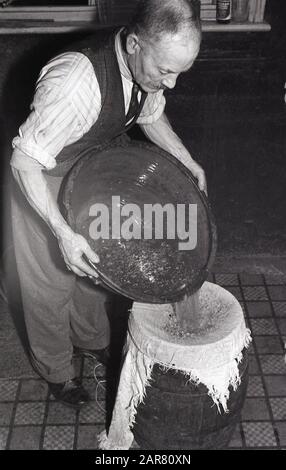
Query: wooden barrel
(198,382)
(180,415)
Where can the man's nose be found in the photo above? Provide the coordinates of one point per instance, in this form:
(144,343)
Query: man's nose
(170,81)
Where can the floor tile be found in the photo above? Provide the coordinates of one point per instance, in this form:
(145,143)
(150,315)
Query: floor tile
(211,277)
(236,440)
(275,278)
(65,428)
(60,414)
(30,413)
(3,437)
(250,347)
(279,309)
(5,413)
(275,385)
(268,344)
(278,406)
(255,293)
(259,309)
(255,387)
(93,413)
(253,367)
(59,438)
(243,307)
(35,390)
(282,325)
(277,292)
(226,279)
(25,438)
(87,436)
(273,364)
(251,279)
(262,326)
(8,389)
(259,434)
(255,409)
(235,291)
(281,428)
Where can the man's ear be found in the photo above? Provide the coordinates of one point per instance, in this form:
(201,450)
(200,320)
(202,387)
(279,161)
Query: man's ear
(131,43)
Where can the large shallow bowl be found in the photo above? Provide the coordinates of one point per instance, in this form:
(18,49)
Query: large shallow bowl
(153,270)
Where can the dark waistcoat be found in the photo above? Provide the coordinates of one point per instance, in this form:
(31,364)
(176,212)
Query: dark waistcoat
(100,50)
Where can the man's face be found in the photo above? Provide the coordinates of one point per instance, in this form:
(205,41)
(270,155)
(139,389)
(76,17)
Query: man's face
(155,65)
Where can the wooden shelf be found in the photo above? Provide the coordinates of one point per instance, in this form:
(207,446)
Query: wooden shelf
(45,26)
(62,19)
(70,18)
(50,13)
(213,26)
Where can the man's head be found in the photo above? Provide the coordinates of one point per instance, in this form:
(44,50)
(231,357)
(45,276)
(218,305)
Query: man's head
(162,41)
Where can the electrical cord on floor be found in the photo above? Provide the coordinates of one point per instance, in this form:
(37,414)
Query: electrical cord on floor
(100,385)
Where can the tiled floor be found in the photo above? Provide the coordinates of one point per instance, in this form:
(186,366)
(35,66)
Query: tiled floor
(30,419)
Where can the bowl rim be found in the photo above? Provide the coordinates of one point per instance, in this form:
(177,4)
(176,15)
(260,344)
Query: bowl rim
(66,209)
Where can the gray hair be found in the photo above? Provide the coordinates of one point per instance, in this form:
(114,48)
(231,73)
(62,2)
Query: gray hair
(153,18)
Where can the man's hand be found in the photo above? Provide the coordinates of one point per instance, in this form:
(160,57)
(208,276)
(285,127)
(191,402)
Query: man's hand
(73,246)
(199,174)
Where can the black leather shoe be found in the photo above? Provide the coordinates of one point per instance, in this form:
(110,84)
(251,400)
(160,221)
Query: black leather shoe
(100,355)
(70,393)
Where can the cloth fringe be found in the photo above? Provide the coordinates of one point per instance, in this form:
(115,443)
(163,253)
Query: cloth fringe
(106,444)
(136,376)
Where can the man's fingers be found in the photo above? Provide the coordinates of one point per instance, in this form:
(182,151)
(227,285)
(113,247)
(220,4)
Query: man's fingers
(202,183)
(77,253)
(82,269)
(91,255)
(83,266)
(77,271)
(203,187)
(95,280)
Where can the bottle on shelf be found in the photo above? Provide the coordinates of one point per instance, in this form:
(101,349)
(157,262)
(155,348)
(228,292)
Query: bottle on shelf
(240,10)
(223,11)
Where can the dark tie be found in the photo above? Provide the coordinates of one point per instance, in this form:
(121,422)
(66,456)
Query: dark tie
(134,105)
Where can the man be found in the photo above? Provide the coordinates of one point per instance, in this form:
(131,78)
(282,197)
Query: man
(82,99)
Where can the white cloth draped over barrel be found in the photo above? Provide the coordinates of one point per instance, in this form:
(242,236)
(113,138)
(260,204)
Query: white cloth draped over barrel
(209,357)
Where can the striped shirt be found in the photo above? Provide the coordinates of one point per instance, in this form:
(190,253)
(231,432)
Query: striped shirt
(66,104)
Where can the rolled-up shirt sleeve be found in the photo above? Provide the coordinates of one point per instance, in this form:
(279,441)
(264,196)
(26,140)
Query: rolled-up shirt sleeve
(21,161)
(48,127)
(153,108)
(60,111)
